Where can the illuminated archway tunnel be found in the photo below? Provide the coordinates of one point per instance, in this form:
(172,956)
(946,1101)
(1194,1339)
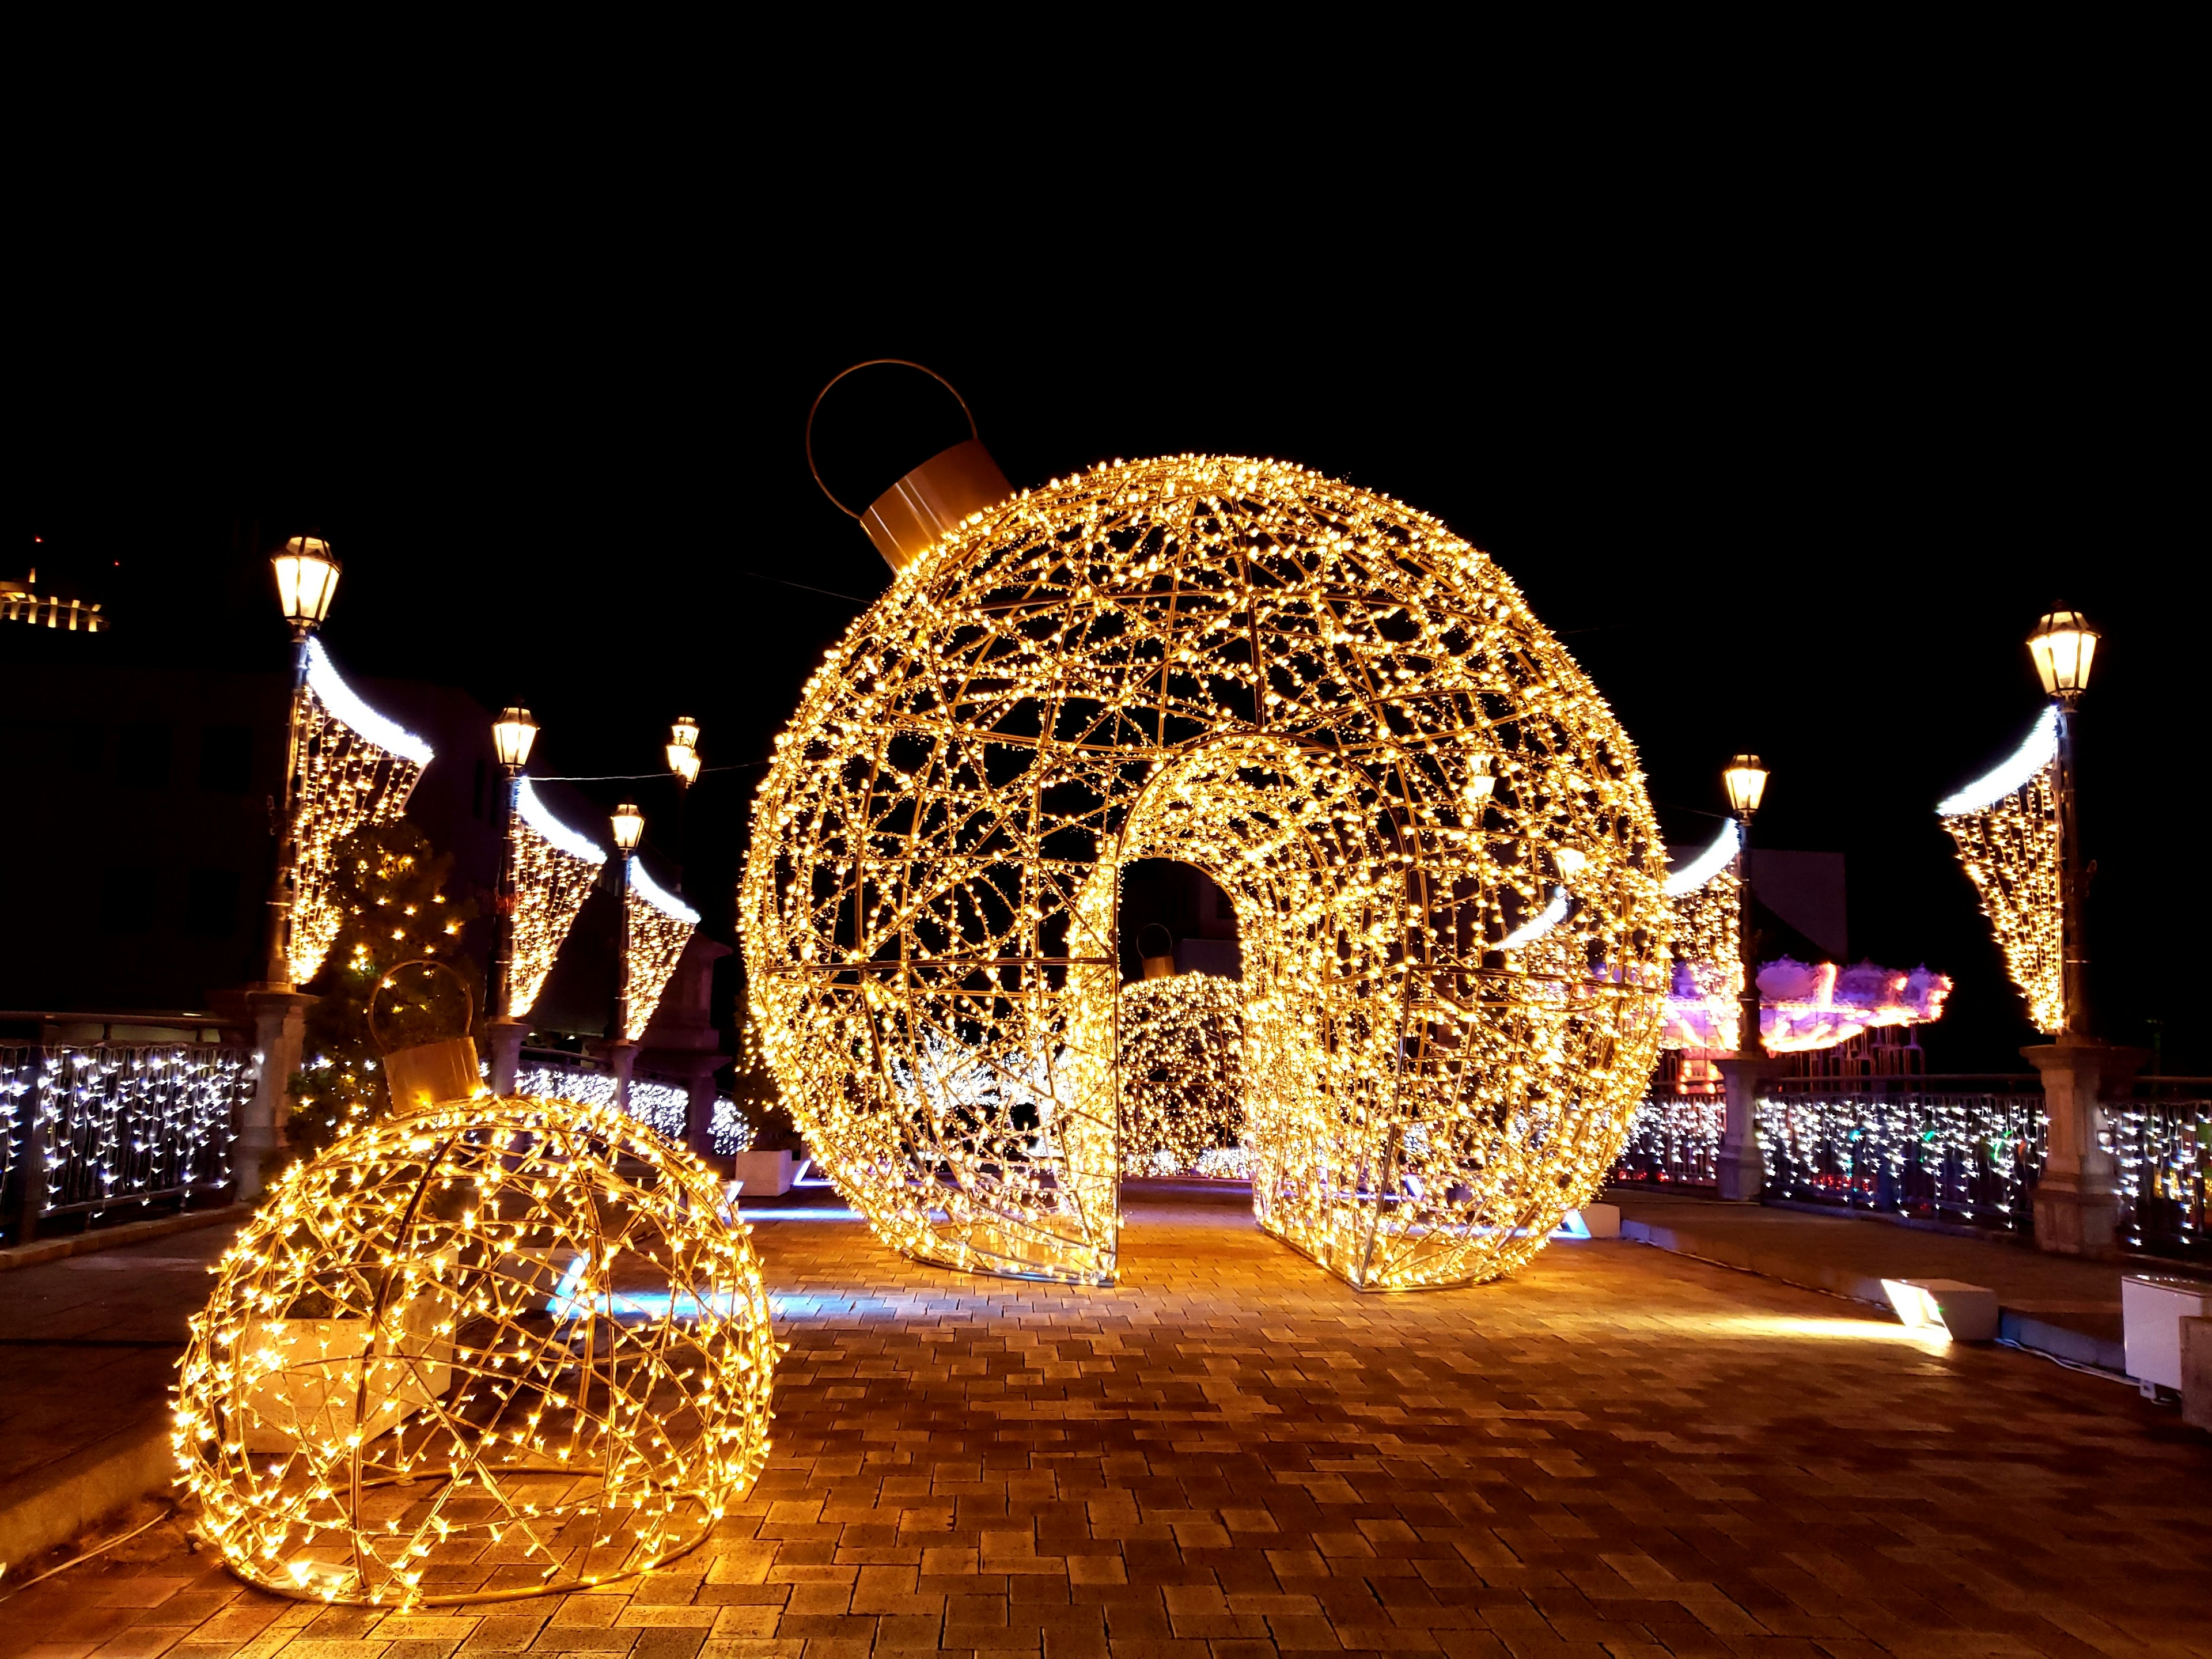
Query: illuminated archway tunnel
(1444,869)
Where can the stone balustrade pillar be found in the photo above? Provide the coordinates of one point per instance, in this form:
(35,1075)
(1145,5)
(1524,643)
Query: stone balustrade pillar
(2077,1204)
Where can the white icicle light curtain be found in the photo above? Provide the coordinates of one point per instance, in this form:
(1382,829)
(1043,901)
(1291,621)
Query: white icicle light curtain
(2006,824)
(660,926)
(555,868)
(356,767)
(1299,688)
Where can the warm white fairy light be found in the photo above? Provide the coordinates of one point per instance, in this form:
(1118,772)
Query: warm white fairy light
(355,767)
(660,926)
(509,1331)
(1183,1071)
(555,871)
(1343,715)
(2006,824)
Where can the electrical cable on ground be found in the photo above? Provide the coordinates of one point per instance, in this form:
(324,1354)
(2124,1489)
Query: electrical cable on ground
(97,1549)
(2070,1364)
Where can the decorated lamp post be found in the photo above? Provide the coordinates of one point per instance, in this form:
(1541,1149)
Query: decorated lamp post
(2064,645)
(306,581)
(2076,1197)
(1738,1166)
(511,735)
(628,826)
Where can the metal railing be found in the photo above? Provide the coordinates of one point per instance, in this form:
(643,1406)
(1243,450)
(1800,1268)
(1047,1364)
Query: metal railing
(94,1128)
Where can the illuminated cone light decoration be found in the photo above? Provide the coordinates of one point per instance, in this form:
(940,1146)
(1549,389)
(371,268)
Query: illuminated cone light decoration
(484,1348)
(1445,870)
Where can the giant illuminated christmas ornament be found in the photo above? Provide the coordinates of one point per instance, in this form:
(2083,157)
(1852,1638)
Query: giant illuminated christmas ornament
(485,1349)
(1444,867)
(355,767)
(1803,1006)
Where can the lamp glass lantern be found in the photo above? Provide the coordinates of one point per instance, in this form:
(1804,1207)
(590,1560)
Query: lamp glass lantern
(628,825)
(2063,646)
(1481,780)
(682,750)
(306,579)
(512,734)
(1746,785)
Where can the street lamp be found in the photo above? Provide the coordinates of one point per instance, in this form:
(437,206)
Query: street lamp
(307,582)
(683,751)
(2064,645)
(511,735)
(1745,780)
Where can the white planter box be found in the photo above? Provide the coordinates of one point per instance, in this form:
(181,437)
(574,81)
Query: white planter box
(1967,1313)
(323,1367)
(762,1175)
(2151,1312)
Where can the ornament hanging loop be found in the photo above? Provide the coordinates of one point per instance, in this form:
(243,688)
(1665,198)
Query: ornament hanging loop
(815,408)
(433,1067)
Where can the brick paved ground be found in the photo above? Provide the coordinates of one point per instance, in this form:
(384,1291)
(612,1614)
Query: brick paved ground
(1623,1452)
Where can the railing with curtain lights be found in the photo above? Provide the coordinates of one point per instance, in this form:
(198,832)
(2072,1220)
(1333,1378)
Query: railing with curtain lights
(1943,1149)
(97,1128)
(662,1107)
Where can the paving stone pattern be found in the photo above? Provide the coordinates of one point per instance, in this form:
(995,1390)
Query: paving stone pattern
(1621,1452)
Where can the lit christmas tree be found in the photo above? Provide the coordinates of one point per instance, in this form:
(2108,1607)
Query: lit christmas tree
(390,893)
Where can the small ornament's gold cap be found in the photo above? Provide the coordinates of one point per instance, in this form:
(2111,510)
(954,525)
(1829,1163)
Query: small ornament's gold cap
(908,519)
(432,1073)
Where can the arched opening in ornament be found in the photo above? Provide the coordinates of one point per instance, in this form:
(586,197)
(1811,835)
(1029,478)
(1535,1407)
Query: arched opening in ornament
(1195,912)
(1182,1026)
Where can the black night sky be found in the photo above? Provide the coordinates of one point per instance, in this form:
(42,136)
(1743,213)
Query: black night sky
(1813,516)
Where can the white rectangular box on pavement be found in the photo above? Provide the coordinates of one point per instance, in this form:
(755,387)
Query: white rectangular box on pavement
(2151,1312)
(1968,1313)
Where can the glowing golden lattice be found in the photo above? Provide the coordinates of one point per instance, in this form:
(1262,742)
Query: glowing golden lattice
(490,1349)
(1183,1071)
(1445,871)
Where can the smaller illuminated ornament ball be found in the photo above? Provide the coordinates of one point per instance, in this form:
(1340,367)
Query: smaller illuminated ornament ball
(489,1348)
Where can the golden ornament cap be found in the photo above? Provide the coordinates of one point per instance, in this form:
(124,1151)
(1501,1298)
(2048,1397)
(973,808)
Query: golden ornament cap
(909,518)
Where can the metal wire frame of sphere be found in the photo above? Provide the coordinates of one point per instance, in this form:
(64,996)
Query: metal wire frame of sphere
(493,1348)
(1444,868)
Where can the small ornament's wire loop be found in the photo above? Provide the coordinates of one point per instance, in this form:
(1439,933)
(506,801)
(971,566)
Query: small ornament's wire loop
(875,362)
(384,984)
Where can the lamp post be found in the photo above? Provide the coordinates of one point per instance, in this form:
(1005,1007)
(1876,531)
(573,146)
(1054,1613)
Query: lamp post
(306,581)
(2076,1197)
(1740,1170)
(683,751)
(511,735)
(628,826)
